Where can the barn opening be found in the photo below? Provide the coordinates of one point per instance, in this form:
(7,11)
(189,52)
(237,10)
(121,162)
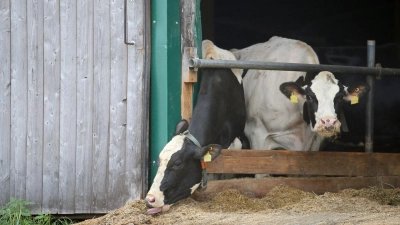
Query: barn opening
(338,32)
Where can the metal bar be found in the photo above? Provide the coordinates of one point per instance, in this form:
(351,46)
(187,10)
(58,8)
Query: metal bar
(125,33)
(369,127)
(355,70)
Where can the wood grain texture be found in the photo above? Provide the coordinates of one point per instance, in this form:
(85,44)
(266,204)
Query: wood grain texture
(51,95)
(68,106)
(189,77)
(34,178)
(19,98)
(84,153)
(5,100)
(188,11)
(258,188)
(72,104)
(305,163)
(101,111)
(136,101)
(118,108)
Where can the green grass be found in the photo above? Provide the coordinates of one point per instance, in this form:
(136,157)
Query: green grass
(17,212)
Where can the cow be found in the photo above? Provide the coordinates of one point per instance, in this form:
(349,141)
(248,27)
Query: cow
(387,100)
(274,122)
(218,120)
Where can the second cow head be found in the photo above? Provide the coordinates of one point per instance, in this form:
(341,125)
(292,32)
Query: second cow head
(323,100)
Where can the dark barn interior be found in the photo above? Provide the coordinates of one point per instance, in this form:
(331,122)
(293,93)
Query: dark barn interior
(338,32)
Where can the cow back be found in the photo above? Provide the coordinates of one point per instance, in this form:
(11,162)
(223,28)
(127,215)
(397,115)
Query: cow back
(273,122)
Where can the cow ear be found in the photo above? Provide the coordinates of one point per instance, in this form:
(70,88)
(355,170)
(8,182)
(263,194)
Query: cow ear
(181,126)
(359,89)
(288,88)
(213,149)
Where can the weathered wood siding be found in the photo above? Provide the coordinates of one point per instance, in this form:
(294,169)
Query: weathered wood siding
(73,104)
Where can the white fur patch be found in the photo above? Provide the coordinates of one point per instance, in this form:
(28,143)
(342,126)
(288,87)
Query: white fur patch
(194,188)
(236,144)
(325,87)
(165,155)
(211,51)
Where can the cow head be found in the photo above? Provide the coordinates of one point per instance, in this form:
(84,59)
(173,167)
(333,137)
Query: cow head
(323,100)
(179,171)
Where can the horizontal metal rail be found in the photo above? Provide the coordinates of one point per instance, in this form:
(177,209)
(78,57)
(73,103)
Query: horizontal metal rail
(356,70)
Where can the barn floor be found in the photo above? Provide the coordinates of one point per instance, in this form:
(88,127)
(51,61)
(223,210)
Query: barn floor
(282,205)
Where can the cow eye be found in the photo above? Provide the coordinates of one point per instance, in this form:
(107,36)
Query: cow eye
(177,163)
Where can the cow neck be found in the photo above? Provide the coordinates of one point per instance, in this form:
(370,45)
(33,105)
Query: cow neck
(203,185)
(189,136)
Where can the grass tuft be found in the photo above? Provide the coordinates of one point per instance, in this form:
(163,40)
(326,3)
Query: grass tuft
(17,212)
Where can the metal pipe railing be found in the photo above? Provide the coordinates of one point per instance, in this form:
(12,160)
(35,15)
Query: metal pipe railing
(369,110)
(369,71)
(356,70)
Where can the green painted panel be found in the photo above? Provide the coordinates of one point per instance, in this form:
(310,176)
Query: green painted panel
(166,63)
(165,76)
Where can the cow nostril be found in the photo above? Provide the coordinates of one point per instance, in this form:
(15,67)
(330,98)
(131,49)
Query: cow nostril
(330,128)
(322,121)
(334,122)
(150,199)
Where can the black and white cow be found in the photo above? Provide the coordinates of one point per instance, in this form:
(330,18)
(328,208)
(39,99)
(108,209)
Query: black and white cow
(387,99)
(218,119)
(273,122)
(324,101)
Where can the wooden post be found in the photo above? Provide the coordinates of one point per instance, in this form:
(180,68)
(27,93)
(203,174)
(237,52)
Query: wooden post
(189,77)
(189,37)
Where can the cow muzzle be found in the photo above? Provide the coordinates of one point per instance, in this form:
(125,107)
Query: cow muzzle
(150,201)
(328,126)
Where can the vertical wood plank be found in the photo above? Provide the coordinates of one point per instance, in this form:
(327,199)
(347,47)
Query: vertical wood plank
(51,132)
(68,108)
(117,176)
(19,98)
(188,12)
(101,100)
(135,101)
(35,105)
(5,100)
(84,106)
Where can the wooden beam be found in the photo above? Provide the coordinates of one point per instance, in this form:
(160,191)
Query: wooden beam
(188,49)
(258,188)
(306,163)
(189,77)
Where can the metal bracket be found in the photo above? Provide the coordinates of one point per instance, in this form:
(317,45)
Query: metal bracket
(125,33)
(189,74)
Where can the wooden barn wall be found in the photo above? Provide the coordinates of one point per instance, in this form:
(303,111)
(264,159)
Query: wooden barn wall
(72,100)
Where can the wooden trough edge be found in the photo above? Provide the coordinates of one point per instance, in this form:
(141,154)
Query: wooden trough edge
(258,188)
(306,163)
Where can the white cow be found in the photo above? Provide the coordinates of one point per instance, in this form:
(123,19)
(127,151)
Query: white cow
(274,122)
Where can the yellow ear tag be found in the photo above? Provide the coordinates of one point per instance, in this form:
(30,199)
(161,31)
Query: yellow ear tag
(207,157)
(293,98)
(354,100)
